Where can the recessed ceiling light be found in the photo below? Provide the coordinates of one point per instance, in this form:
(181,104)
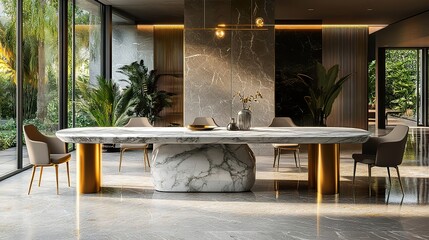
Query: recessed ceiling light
(370,9)
(310,9)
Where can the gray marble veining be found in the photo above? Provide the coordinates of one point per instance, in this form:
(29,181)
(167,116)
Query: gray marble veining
(279,206)
(217,68)
(130,44)
(326,135)
(203,168)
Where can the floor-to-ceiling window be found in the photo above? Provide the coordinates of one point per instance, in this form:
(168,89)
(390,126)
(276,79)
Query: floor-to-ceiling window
(87,59)
(8,152)
(40,69)
(40,64)
(405,86)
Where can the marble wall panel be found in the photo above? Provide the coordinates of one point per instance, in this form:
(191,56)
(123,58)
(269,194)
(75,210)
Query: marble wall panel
(131,43)
(215,69)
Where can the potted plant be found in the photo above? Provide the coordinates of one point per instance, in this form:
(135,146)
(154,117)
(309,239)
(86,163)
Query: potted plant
(104,102)
(144,90)
(323,92)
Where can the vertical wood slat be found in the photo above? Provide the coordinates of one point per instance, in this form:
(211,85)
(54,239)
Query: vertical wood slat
(168,59)
(348,47)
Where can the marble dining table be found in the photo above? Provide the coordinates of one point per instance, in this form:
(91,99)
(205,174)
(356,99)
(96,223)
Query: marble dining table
(211,161)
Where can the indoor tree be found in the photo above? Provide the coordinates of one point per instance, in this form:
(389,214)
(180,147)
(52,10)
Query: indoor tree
(104,102)
(323,91)
(143,88)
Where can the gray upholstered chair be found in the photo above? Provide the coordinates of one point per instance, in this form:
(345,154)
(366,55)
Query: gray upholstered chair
(291,147)
(136,122)
(204,121)
(45,151)
(386,151)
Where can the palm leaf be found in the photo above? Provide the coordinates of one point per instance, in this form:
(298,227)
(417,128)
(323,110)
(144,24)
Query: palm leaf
(323,91)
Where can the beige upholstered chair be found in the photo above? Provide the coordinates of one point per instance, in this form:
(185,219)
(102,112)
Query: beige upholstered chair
(291,147)
(386,151)
(204,121)
(136,122)
(44,151)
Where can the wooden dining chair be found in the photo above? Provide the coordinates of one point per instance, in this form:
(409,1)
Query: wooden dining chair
(289,147)
(45,151)
(136,122)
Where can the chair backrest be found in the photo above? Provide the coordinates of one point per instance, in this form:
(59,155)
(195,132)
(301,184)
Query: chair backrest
(282,122)
(204,121)
(391,148)
(138,122)
(32,133)
(37,153)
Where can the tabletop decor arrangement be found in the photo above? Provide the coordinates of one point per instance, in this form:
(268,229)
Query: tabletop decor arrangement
(245,114)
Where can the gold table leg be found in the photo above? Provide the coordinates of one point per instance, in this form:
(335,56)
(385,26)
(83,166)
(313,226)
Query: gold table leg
(324,168)
(88,167)
(312,165)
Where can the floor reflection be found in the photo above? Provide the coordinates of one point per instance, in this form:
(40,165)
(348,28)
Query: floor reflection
(416,152)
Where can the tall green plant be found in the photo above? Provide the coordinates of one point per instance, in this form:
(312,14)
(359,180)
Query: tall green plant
(323,91)
(143,88)
(104,102)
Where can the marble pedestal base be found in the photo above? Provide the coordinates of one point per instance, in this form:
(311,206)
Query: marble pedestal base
(203,168)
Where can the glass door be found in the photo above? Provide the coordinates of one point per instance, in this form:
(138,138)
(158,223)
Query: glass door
(86,64)
(419,89)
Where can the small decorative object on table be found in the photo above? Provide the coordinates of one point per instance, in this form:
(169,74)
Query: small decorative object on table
(232,125)
(245,115)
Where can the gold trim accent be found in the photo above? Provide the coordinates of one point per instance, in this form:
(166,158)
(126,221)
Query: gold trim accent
(89,168)
(200,127)
(312,165)
(324,168)
(328,168)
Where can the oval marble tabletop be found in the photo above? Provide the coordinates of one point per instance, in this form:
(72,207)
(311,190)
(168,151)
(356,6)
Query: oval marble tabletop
(310,135)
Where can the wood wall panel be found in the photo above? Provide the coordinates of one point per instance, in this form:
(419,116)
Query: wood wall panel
(348,47)
(168,61)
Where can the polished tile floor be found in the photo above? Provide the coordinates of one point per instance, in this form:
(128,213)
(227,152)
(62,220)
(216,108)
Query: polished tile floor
(279,206)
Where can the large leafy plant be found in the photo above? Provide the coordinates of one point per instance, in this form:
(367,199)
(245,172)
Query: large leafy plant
(143,88)
(323,91)
(104,102)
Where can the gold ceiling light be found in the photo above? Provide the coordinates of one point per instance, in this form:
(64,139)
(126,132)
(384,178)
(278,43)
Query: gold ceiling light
(259,22)
(220,33)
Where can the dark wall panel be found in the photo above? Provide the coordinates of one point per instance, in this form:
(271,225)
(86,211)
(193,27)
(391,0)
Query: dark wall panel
(297,51)
(168,61)
(348,47)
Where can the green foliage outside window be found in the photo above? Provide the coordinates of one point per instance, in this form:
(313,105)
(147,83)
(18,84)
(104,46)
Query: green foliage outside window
(401,81)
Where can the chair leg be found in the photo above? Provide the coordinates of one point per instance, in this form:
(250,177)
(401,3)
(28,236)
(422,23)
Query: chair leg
(146,158)
(120,158)
(56,176)
(369,174)
(275,156)
(40,177)
(68,173)
(279,152)
(354,172)
(31,181)
(400,182)
(299,160)
(294,155)
(388,173)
